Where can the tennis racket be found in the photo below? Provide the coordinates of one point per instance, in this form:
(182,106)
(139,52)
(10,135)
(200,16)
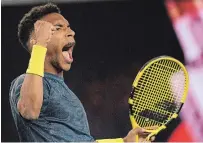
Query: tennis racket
(158,94)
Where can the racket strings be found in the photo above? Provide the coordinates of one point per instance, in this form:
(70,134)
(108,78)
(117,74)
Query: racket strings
(158,94)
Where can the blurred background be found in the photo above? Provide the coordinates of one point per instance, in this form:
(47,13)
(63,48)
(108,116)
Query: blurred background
(114,39)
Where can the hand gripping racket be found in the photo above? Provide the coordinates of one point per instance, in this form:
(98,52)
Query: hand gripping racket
(158,93)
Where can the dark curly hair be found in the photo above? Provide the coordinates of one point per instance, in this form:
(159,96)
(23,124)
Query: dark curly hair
(26,25)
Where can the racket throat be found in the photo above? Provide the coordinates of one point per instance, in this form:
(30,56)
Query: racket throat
(155,132)
(133,122)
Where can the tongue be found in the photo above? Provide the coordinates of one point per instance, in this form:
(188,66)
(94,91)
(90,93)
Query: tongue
(68,56)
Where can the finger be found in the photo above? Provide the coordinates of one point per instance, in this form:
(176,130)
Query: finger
(144,140)
(49,23)
(152,138)
(43,21)
(144,135)
(138,130)
(38,22)
(37,25)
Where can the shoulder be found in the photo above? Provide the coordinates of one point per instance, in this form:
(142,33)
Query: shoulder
(15,87)
(17,82)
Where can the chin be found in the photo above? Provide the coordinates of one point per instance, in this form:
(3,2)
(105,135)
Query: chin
(66,67)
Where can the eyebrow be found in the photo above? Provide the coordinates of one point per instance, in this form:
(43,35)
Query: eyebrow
(60,25)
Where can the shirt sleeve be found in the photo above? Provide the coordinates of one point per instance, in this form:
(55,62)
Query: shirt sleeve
(15,94)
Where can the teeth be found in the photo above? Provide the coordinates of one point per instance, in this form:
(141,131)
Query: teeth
(68,46)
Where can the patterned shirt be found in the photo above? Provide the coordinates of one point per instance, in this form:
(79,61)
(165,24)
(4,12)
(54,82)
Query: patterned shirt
(62,117)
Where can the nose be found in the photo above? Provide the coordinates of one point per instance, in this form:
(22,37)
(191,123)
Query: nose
(70,33)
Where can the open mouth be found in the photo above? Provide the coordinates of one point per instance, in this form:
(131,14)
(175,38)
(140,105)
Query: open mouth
(68,46)
(67,52)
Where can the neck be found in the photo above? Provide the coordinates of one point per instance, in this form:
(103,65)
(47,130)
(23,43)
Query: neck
(49,68)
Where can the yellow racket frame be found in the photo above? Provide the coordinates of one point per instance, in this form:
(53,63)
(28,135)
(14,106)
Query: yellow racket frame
(135,83)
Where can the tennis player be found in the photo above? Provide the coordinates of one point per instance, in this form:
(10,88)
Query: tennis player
(43,107)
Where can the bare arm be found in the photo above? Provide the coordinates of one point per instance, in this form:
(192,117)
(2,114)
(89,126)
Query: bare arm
(31,93)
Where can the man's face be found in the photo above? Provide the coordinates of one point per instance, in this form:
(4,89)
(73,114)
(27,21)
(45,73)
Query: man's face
(60,47)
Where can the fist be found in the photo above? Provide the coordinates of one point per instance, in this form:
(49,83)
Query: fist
(43,32)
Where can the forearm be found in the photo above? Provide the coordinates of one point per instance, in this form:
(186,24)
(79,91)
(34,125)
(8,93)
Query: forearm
(31,93)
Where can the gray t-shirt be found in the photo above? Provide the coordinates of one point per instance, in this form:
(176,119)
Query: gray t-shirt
(62,117)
